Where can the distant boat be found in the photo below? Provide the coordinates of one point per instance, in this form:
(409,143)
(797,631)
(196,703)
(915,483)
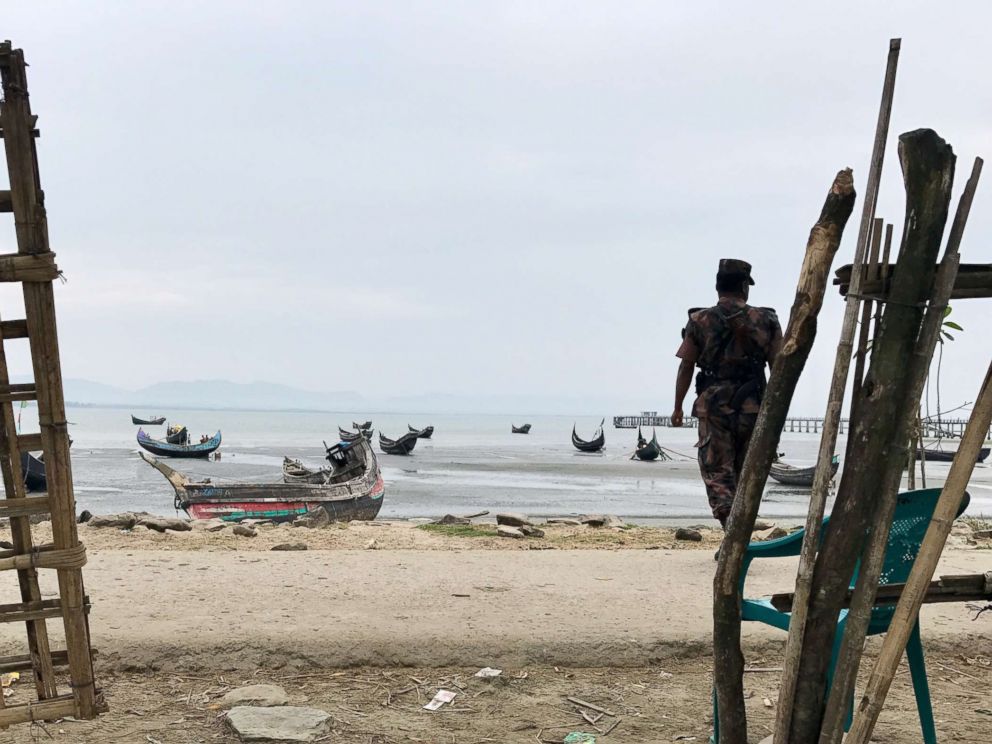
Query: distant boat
(525,429)
(165,449)
(366,425)
(147,422)
(425,433)
(934,455)
(294,471)
(354,491)
(177,435)
(351,436)
(402,446)
(595,444)
(790,475)
(33,472)
(647,451)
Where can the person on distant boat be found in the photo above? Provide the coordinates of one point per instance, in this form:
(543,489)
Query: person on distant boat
(731,343)
(204,439)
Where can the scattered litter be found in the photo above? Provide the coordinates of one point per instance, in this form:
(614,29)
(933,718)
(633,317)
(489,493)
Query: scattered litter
(488,672)
(767,702)
(665,675)
(580,737)
(442,697)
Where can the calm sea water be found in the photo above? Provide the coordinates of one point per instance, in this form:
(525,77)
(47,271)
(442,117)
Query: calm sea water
(472,464)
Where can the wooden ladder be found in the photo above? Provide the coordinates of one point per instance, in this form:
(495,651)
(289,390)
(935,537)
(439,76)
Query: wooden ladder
(34,267)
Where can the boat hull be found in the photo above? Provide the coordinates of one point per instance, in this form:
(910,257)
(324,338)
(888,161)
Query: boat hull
(33,472)
(148,422)
(165,449)
(788,475)
(941,456)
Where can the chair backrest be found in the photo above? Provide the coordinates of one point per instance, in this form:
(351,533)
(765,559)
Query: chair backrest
(914,510)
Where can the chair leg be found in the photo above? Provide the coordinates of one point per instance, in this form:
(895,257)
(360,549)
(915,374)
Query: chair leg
(921,687)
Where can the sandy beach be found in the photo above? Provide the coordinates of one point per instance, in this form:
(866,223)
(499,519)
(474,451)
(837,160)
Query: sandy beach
(373,618)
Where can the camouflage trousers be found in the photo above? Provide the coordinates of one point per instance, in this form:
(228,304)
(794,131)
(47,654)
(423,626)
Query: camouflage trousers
(723,440)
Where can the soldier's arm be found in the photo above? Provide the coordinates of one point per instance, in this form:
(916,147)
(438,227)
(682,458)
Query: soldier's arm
(688,352)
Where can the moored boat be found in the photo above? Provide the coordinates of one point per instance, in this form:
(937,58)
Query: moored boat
(177,434)
(402,446)
(647,451)
(147,422)
(294,471)
(525,429)
(934,455)
(361,427)
(167,449)
(425,433)
(33,472)
(354,491)
(351,436)
(595,444)
(790,475)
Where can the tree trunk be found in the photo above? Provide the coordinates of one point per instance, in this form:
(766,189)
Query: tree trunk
(821,247)
(882,430)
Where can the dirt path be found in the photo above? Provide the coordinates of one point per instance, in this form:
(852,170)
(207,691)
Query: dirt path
(189,610)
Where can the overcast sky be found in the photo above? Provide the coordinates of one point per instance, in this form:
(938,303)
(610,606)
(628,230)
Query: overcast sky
(470,198)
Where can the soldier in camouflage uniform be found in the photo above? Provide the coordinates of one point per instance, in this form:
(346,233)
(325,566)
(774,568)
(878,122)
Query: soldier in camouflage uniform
(731,343)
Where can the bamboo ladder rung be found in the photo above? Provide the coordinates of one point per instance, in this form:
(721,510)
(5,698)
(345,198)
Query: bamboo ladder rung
(23,662)
(25,507)
(29,442)
(28,267)
(18,391)
(42,710)
(22,612)
(13,328)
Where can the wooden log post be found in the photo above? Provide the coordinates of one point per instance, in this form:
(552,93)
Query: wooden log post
(831,419)
(881,432)
(874,558)
(821,247)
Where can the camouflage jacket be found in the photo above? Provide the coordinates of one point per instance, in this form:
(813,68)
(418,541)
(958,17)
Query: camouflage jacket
(731,343)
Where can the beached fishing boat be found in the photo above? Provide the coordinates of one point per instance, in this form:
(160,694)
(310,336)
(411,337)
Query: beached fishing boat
(294,471)
(647,451)
(33,472)
(402,446)
(167,449)
(934,455)
(177,435)
(147,422)
(790,475)
(360,427)
(595,444)
(351,436)
(425,433)
(354,491)
(525,429)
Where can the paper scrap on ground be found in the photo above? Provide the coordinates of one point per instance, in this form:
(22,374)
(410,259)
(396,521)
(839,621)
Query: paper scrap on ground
(488,672)
(442,697)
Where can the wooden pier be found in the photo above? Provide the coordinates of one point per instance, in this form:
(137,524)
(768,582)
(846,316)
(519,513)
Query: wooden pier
(944,429)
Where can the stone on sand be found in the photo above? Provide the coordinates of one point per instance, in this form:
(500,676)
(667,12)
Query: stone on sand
(601,520)
(123,521)
(314,519)
(286,723)
(161,524)
(505,530)
(263,696)
(244,531)
(511,519)
(531,531)
(686,533)
(452,519)
(771,534)
(290,546)
(567,522)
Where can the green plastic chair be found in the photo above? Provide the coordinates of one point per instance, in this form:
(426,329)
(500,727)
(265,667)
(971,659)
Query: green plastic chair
(914,509)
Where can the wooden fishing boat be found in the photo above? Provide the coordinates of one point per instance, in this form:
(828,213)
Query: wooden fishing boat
(425,433)
(147,422)
(166,449)
(360,427)
(525,429)
(790,475)
(351,436)
(595,444)
(33,472)
(934,455)
(354,491)
(294,471)
(647,451)
(177,435)
(402,446)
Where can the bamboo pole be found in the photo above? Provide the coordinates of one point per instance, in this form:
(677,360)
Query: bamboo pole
(869,271)
(831,421)
(908,609)
(881,432)
(874,558)
(824,239)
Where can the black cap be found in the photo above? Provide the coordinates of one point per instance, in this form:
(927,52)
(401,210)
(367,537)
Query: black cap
(734,268)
